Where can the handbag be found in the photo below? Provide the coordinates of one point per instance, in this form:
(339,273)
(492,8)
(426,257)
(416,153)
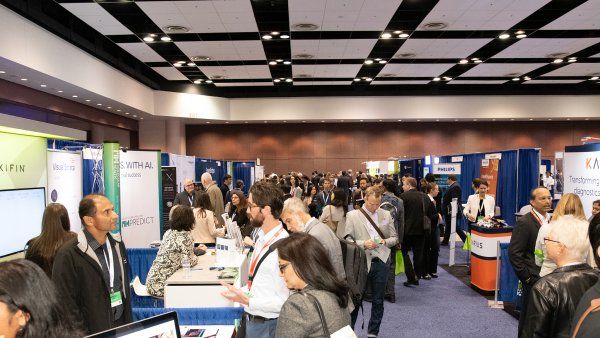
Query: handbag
(426,219)
(594,306)
(330,222)
(344,332)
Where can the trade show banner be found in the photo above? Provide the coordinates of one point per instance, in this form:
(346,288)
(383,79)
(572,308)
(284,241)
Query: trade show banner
(581,166)
(169,191)
(186,168)
(65,183)
(111,169)
(489,172)
(441,172)
(140,197)
(23,161)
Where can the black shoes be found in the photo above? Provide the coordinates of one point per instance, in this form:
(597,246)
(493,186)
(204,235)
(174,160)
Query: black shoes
(409,283)
(426,277)
(433,275)
(444,243)
(390,298)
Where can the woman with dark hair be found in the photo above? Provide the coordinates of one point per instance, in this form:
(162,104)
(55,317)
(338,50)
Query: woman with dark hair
(314,201)
(29,304)
(334,215)
(205,231)
(238,212)
(296,187)
(177,245)
(56,230)
(305,267)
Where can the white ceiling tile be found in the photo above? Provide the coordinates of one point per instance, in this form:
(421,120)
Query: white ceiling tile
(359,48)
(306,17)
(170,73)
(343,5)
(298,70)
(142,52)
(416,69)
(596,56)
(381,6)
(258,71)
(481,14)
(341,16)
(541,48)
(576,69)
(97,17)
(303,5)
(342,71)
(249,50)
(193,7)
(243,84)
(338,26)
(501,69)
(238,20)
(237,72)
(401,82)
(159,7)
(233,6)
(322,83)
(441,48)
(305,47)
(584,16)
(477,82)
(217,50)
(552,81)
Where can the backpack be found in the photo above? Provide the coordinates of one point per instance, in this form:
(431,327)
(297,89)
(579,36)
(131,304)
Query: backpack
(391,208)
(355,266)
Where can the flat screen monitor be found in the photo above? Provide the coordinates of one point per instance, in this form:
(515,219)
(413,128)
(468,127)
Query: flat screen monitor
(161,326)
(21,212)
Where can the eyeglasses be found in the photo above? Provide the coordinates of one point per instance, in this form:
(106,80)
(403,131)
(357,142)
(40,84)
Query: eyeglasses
(546,239)
(253,205)
(189,185)
(283,266)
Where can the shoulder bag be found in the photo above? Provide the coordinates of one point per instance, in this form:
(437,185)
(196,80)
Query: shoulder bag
(345,332)
(372,223)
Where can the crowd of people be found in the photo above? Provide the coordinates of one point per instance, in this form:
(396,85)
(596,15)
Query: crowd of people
(300,229)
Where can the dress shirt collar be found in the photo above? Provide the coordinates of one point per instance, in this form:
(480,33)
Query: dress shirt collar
(544,219)
(372,214)
(265,237)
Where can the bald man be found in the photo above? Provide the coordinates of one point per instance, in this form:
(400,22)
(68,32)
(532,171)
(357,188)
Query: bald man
(187,196)
(215,195)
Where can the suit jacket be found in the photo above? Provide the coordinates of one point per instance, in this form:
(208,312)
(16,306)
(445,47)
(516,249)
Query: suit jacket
(182,198)
(216,200)
(224,191)
(453,191)
(344,182)
(416,206)
(522,247)
(356,225)
(331,243)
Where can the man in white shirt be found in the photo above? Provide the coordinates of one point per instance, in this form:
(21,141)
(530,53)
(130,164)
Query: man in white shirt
(266,291)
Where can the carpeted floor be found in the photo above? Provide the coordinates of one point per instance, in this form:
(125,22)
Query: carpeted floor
(443,307)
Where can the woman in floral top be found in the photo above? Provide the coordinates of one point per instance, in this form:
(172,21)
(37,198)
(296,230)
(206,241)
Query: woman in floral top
(177,243)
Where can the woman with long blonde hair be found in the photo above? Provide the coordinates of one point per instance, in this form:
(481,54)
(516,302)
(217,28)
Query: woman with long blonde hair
(569,204)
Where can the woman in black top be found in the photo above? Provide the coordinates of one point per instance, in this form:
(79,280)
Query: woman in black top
(238,212)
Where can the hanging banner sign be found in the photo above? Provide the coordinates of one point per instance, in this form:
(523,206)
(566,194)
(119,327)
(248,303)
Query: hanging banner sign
(140,197)
(496,156)
(110,161)
(457,159)
(169,191)
(65,183)
(489,172)
(446,169)
(186,168)
(23,161)
(581,166)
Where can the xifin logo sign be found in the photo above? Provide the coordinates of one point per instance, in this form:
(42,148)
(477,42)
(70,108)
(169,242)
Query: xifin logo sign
(592,163)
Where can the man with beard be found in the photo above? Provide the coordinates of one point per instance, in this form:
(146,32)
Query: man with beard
(358,198)
(266,291)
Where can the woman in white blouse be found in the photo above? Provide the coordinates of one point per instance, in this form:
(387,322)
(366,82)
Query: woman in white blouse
(480,206)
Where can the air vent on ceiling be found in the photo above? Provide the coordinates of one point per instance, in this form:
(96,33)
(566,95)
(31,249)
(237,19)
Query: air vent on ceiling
(175,29)
(303,76)
(434,26)
(218,77)
(305,27)
(513,75)
(303,56)
(200,58)
(406,55)
(387,75)
(557,55)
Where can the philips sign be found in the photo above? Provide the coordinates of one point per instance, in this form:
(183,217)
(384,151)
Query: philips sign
(446,169)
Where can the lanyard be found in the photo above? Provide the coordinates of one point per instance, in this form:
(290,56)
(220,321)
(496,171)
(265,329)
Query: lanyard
(256,257)
(190,199)
(111,265)
(537,218)
(481,205)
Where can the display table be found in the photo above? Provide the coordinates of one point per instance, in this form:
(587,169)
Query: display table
(216,331)
(484,252)
(203,287)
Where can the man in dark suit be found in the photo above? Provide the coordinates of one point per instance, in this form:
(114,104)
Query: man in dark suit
(187,196)
(225,187)
(453,191)
(345,182)
(522,244)
(416,206)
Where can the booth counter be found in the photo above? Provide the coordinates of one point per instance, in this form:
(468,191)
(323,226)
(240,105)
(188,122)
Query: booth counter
(484,255)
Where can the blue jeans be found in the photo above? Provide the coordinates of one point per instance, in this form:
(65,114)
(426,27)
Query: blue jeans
(261,329)
(376,280)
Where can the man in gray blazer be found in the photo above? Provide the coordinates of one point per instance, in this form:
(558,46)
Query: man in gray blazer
(297,219)
(377,248)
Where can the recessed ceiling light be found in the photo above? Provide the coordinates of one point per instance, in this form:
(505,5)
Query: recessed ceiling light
(2,72)
(272,63)
(557,61)
(208,81)
(437,120)
(148,39)
(478,61)
(197,81)
(521,36)
(226,122)
(288,80)
(572,60)
(474,119)
(175,29)
(447,78)
(593,78)
(382,61)
(276,80)
(386,35)
(322,121)
(418,120)
(493,119)
(587,118)
(530,119)
(245,121)
(59,91)
(200,58)
(549,119)
(516,78)
(141,118)
(504,36)
(377,59)
(284,121)
(380,120)
(23,79)
(397,32)
(463,61)
(99,104)
(166,38)
(399,120)
(75,96)
(191,64)
(568,119)
(356,80)
(403,35)
(287,62)
(134,115)
(474,59)
(368,79)
(153,35)
(265,121)
(88,100)
(285,36)
(109,107)
(43,86)
(520,32)
(368,62)
(361,120)
(267,37)
(126,113)
(180,62)
(178,65)
(279,60)
(436,79)
(118,109)
(274,33)
(303,121)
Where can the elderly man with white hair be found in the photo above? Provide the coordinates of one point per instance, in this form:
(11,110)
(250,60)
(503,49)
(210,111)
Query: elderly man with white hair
(297,219)
(554,297)
(215,195)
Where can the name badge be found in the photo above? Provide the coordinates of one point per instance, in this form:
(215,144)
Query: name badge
(480,218)
(116,299)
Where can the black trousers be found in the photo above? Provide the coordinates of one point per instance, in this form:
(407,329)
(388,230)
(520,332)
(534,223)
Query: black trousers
(390,290)
(460,232)
(432,250)
(525,302)
(416,244)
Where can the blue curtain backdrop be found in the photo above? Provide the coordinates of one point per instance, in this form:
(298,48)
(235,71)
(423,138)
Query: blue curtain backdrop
(164,159)
(243,171)
(217,169)
(529,167)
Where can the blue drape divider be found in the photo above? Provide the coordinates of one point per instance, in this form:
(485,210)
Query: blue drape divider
(529,167)
(140,262)
(508,279)
(195,316)
(507,186)
(243,171)
(217,169)
(164,159)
